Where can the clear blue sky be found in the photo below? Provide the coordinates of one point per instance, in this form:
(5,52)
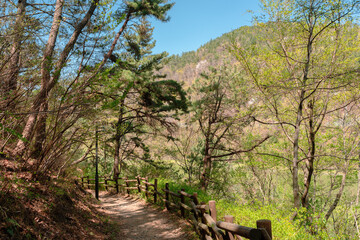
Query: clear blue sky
(195,22)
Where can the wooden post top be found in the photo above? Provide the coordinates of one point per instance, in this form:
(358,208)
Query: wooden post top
(212,206)
(266,224)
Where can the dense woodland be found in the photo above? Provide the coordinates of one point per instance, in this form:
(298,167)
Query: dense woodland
(264,118)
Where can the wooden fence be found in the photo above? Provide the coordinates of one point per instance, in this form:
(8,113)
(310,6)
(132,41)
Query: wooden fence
(202,216)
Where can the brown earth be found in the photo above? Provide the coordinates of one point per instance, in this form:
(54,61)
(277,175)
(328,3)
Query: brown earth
(139,220)
(48,208)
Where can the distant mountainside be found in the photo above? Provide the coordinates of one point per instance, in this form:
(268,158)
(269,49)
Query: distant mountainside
(189,65)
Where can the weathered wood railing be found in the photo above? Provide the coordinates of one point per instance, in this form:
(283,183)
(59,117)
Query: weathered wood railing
(121,184)
(202,216)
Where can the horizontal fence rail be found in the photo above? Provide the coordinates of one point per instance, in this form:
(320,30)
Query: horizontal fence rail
(202,216)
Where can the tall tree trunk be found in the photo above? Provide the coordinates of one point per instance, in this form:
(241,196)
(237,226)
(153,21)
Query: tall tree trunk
(205,175)
(116,170)
(295,160)
(339,194)
(311,159)
(40,131)
(358,184)
(11,75)
(47,82)
(119,134)
(302,98)
(207,161)
(46,67)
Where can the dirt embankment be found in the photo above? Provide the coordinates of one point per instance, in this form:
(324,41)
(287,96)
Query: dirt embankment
(49,208)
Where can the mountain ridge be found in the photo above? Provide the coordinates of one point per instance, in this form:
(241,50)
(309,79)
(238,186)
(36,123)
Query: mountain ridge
(188,66)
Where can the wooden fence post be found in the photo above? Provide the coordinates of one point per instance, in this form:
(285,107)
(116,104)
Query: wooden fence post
(106,184)
(155,190)
(88,182)
(147,187)
(138,183)
(212,209)
(117,184)
(212,206)
(229,219)
(182,199)
(167,196)
(196,202)
(265,224)
(197,218)
(127,185)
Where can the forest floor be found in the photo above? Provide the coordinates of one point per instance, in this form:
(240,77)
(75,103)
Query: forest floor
(139,220)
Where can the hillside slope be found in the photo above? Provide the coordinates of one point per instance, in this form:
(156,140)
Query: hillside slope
(46,209)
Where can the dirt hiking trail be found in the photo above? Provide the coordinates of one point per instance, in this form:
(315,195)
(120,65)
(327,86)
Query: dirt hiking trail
(141,221)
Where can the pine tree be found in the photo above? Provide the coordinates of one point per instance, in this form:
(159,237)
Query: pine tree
(145,99)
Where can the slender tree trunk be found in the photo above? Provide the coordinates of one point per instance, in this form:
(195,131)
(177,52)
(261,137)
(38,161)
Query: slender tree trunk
(358,185)
(47,82)
(205,175)
(296,188)
(357,197)
(11,76)
(339,194)
(46,67)
(40,131)
(295,161)
(116,170)
(119,134)
(83,156)
(311,159)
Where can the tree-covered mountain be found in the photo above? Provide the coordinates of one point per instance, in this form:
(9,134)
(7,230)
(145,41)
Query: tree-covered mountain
(189,65)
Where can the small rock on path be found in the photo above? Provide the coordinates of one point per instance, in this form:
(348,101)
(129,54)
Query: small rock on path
(139,221)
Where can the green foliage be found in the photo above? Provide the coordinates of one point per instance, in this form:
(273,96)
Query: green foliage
(12,132)
(156,8)
(164,96)
(178,185)
(12,226)
(88,167)
(246,215)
